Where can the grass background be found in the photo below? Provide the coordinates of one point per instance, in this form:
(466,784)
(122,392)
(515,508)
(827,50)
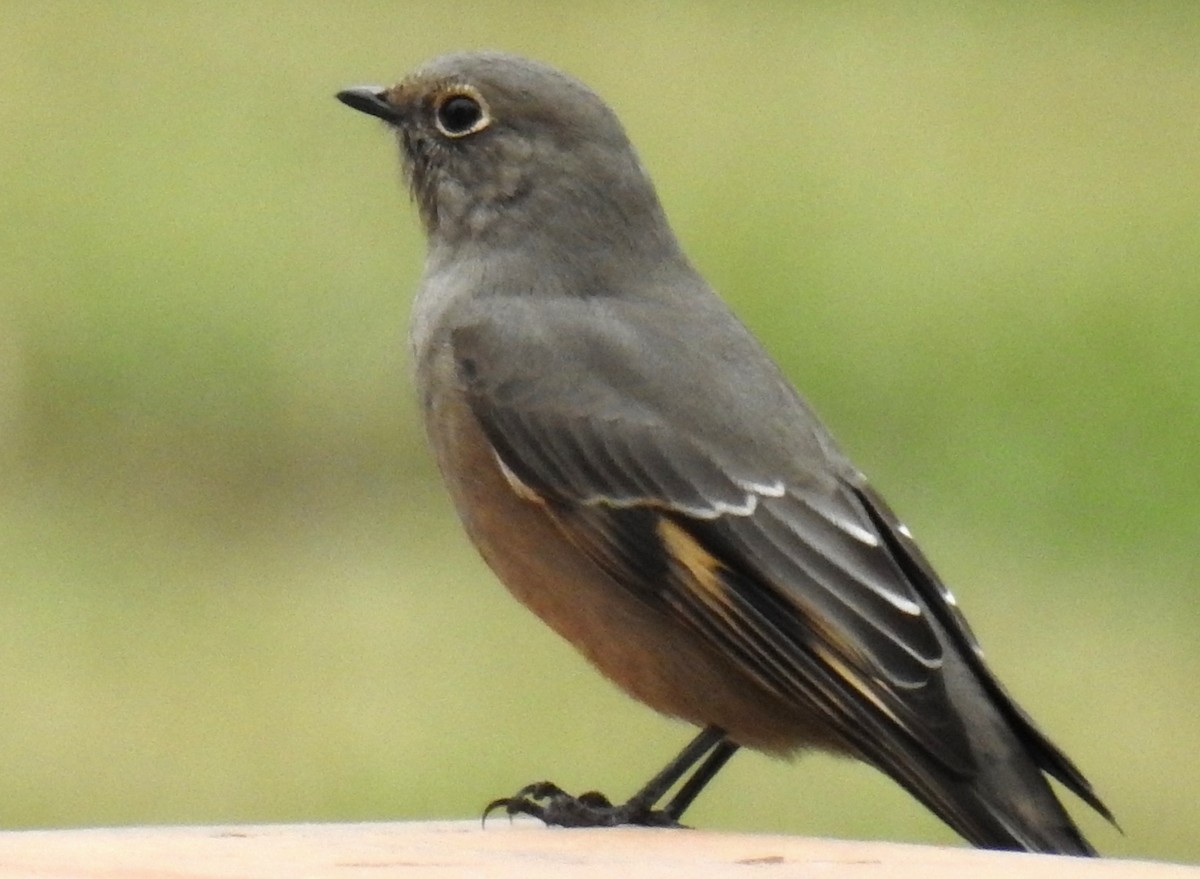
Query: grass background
(230,587)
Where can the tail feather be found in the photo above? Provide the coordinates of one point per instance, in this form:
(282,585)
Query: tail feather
(1008,802)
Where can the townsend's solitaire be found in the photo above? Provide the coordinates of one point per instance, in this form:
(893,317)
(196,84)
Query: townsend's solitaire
(639,473)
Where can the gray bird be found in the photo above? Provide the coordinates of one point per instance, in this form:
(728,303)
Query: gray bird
(639,473)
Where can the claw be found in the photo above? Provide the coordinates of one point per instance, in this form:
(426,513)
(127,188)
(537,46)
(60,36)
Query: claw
(523,802)
(553,806)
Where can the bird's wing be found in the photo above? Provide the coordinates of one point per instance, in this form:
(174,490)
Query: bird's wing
(780,567)
(1046,755)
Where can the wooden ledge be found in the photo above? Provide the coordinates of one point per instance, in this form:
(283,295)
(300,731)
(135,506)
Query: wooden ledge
(522,849)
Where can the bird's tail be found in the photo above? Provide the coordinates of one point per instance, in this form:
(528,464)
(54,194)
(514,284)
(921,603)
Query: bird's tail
(1008,803)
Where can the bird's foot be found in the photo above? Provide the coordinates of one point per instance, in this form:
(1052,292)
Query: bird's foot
(555,807)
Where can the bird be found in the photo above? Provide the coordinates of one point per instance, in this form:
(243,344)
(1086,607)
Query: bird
(640,473)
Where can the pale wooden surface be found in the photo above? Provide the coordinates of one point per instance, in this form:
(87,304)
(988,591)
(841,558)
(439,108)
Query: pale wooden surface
(448,850)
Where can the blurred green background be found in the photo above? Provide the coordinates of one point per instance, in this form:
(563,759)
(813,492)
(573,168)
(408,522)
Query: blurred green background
(231,588)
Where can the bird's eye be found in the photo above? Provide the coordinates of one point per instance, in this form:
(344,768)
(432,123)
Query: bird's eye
(460,114)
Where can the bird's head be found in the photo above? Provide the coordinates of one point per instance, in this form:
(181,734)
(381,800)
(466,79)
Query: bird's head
(496,146)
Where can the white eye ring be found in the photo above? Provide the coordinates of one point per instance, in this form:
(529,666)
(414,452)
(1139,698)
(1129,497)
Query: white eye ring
(460,111)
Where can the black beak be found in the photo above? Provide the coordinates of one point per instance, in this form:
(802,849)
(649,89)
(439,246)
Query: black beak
(370,99)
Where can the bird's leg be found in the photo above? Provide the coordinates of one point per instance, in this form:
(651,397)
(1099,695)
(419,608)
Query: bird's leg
(712,764)
(552,805)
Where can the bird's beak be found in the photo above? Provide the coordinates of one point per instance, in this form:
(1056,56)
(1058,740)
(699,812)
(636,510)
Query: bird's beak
(370,99)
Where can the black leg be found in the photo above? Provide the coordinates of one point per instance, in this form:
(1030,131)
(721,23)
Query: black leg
(712,764)
(552,805)
(656,788)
